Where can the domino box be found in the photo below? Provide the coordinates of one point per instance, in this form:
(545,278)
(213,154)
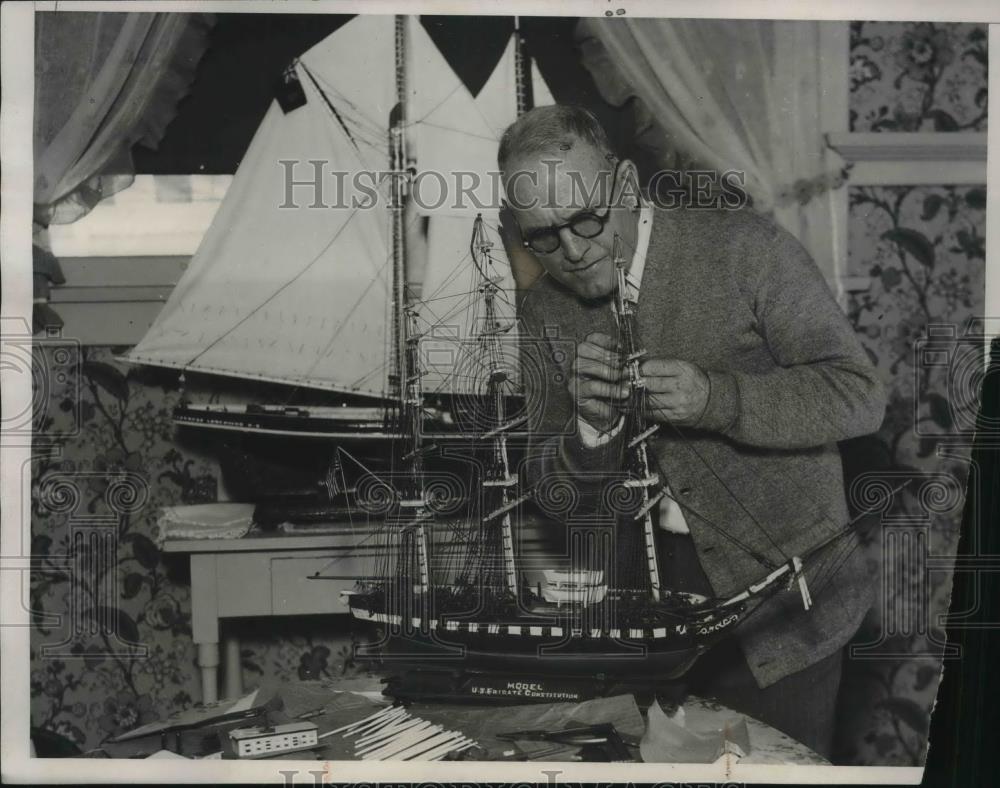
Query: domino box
(259,742)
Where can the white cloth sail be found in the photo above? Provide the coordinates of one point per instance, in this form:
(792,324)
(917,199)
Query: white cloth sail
(498,98)
(452,359)
(302,295)
(451,140)
(296,294)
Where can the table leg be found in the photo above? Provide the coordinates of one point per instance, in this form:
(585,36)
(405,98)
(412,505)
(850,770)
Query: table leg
(208,661)
(205,623)
(233,667)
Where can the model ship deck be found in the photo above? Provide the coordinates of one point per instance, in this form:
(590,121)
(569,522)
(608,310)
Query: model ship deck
(677,614)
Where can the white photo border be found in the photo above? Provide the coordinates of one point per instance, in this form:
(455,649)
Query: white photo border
(17,57)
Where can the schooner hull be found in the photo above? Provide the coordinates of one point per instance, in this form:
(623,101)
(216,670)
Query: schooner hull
(341,424)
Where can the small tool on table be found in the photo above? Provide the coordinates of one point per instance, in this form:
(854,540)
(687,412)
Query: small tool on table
(601,742)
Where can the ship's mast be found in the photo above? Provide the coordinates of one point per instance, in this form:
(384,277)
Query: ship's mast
(498,475)
(406,337)
(522,71)
(647,482)
(400,187)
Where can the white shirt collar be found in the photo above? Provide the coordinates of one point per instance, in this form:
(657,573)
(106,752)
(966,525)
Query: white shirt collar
(633,276)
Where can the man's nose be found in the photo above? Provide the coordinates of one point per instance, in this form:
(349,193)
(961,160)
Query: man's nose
(573,246)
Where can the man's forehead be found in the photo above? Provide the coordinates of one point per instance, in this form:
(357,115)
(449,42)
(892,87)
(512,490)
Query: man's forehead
(580,157)
(566,181)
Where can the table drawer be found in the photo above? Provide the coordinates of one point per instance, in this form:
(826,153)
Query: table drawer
(293,593)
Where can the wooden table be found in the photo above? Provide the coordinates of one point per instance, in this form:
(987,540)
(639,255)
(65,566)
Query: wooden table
(268,575)
(263,575)
(768,745)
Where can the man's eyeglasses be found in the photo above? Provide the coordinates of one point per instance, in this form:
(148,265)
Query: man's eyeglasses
(585,224)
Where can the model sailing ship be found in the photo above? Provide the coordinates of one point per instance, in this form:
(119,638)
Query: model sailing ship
(300,297)
(298,300)
(390,312)
(467,594)
(471,593)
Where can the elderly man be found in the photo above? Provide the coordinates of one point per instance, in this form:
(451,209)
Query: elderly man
(753,373)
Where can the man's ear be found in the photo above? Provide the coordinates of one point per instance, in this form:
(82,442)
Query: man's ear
(524,266)
(629,194)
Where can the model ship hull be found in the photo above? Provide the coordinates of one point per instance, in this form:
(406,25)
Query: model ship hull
(447,420)
(275,453)
(552,645)
(333,423)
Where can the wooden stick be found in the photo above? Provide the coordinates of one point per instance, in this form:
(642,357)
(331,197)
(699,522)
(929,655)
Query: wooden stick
(443,749)
(395,711)
(422,727)
(389,722)
(397,725)
(389,730)
(445,737)
(406,741)
(427,744)
(370,726)
(413,748)
(378,713)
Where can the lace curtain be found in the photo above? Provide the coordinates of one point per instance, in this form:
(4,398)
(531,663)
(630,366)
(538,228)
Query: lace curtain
(726,95)
(103,83)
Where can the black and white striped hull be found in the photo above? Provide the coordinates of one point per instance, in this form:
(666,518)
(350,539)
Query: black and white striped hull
(666,651)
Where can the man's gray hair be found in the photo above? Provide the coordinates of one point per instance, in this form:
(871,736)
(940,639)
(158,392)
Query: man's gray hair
(552,128)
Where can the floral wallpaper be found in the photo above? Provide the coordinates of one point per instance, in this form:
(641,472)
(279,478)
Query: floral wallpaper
(922,249)
(106,458)
(917,76)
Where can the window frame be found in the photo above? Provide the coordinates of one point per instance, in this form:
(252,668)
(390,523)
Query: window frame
(890,158)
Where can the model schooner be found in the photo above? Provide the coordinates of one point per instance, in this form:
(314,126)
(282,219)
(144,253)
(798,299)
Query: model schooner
(301,297)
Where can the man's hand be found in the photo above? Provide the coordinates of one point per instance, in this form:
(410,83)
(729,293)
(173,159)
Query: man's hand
(601,386)
(678,391)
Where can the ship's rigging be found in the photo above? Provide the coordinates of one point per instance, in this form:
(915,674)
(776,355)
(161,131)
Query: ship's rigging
(260,284)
